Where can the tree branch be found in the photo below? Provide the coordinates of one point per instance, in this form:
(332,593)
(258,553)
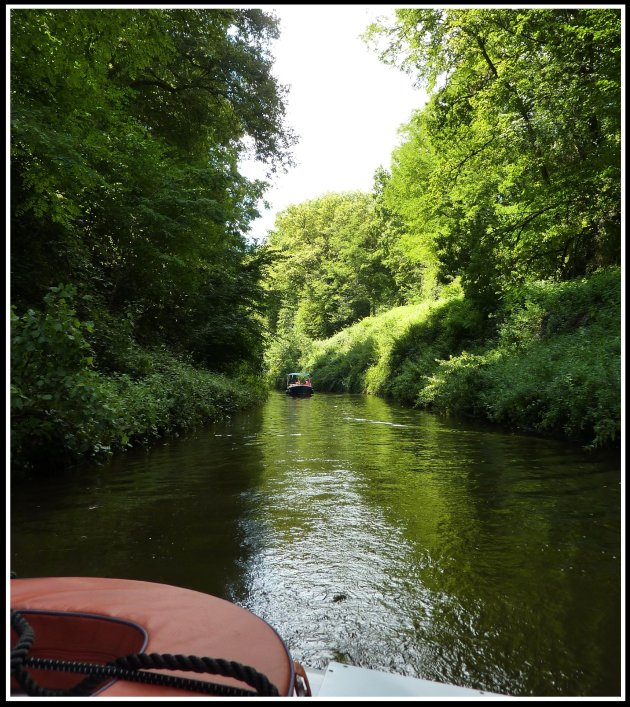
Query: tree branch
(522,109)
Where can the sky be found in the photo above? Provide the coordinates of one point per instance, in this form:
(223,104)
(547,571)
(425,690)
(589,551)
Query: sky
(345,105)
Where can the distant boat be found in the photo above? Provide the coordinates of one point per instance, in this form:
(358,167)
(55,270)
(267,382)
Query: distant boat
(299,385)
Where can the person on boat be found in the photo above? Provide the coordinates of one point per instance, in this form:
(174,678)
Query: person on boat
(307,381)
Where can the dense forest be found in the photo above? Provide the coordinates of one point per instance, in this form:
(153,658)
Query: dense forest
(481,276)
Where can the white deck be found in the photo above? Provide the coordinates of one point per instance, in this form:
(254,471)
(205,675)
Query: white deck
(340,680)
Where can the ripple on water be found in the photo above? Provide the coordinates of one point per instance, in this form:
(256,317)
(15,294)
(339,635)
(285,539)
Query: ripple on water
(367,533)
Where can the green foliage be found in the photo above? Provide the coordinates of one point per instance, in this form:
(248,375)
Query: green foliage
(126,131)
(552,365)
(331,269)
(63,411)
(543,308)
(341,363)
(567,386)
(57,404)
(406,216)
(113,341)
(554,369)
(346,361)
(455,386)
(285,351)
(127,127)
(511,172)
(387,354)
(446,329)
(177,397)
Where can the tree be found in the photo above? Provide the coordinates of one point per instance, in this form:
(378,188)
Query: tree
(127,128)
(524,127)
(406,214)
(331,270)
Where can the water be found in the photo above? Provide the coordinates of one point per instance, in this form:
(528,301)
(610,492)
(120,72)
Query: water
(365,533)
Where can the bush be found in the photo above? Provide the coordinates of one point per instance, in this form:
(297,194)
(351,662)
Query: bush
(554,369)
(545,308)
(569,385)
(553,365)
(342,366)
(58,404)
(458,385)
(178,397)
(389,354)
(63,411)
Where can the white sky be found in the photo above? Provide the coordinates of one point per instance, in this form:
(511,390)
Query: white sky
(344,104)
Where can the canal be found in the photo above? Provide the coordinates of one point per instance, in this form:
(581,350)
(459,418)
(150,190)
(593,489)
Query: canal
(366,533)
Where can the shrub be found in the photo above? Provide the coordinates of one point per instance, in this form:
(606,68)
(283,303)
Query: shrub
(553,365)
(554,369)
(63,411)
(58,405)
(569,385)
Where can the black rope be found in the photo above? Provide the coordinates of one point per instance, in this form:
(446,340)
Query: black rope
(129,668)
(99,673)
(26,638)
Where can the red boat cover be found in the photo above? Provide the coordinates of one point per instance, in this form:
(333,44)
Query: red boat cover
(95,620)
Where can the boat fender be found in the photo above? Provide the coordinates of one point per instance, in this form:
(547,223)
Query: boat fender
(122,625)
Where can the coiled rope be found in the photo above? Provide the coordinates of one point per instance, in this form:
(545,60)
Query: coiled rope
(130,668)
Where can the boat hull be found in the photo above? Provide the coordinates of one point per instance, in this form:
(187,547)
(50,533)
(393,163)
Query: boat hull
(300,391)
(90,619)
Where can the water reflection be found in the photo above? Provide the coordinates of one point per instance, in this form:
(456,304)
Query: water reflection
(405,544)
(169,514)
(367,533)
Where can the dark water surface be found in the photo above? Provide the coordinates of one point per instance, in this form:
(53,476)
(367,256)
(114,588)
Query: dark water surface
(365,533)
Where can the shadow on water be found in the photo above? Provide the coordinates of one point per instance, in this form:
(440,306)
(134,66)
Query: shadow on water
(364,533)
(168,514)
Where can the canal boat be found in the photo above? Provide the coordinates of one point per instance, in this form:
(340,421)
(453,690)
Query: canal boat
(299,385)
(121,638)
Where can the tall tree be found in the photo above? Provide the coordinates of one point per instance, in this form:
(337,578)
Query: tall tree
(331,269)
(524,123)
(406,214)
(127,128)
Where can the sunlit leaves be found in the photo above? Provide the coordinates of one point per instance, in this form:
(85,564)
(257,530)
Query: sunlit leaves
(524,126)
(127,127)
(331,269)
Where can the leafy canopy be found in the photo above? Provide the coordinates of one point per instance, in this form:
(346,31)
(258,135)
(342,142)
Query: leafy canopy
(512,170)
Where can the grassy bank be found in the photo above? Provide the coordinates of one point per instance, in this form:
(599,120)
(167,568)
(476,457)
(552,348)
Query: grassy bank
(549,361)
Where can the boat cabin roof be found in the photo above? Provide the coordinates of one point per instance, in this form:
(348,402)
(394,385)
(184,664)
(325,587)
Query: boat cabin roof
(298,374)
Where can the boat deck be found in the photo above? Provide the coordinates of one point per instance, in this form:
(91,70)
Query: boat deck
(339,680)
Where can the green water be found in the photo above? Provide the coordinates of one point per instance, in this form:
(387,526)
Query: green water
(365,533)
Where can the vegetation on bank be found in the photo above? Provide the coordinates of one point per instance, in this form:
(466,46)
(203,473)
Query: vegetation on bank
(127,129)
(65,410)
(548,361)
(553,368)
(479,277)
(488,255)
